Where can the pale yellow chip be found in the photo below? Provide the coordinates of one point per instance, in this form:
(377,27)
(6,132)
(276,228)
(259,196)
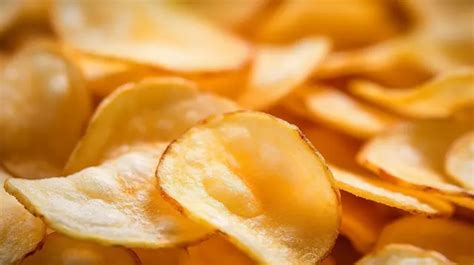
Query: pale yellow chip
(336,109)
(449,237)
(148,32)
(45,107)
(277,70)
(20,232)
(61,250)
(459,162)
(437,98)
(402,254)
(116,203)
(219,173)
(153,110)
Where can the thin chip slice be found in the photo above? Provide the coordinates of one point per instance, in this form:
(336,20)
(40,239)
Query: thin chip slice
(218,174)
(148,32)
(449,237)
(45,107)
(338,110)
(155,110)
(400,254)
(412,154)
(61,250)
(277,70)
(459,162)
(438,98)
(115,203)
(20,232)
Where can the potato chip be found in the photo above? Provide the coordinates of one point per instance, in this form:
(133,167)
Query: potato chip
(155,110)
(459,162)
(399,254)
(218,174)
(438,98)
(44,109)
(336,109)
(61,250)
(449,237)
(162,256)
(148,32)
(10,10)
(20,232)
(277,70)
(116,203)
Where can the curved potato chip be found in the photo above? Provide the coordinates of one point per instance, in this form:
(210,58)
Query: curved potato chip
(44,109)
(412,154)
(20,232)
(115,203)
(153,110)
(60,250)
(438,98)
(148,32)
(277,70)
(399,254)
(459,162)
(449,237)
(10,10)
(338,110)
(218,174)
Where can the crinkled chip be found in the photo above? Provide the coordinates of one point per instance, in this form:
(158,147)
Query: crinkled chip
(61,250)
(449,237)
(400,254)
(437,98)
(277,70)
(20,232)
(148,32)
(116,203)
(45,107)
(219,173)
(155,110)
(459,162)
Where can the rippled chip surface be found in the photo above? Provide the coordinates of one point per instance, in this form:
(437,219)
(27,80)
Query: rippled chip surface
(257,180)
(459,162)
(399,254)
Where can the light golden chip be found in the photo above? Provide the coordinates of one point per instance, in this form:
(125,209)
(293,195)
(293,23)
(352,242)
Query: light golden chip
(148,32)
(20,232)
(155,110)
(256,179)
(277,70)
(116,203)
(438,98)
(400,254)
(61,250)
(459,162)
(44,109)
(447,236)
(336,109)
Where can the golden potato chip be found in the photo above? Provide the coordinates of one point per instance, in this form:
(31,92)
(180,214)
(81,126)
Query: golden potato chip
(148,32)
(44,109)
(10,10)
(449,237)
(219,173)
(459,162)
(20,232)
(338,110)
(61,250)
(400,254)
(155,110)
(161,256)
(277,70)
(438,98)
(116,203)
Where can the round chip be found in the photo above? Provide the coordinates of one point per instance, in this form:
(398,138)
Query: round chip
(60,250)
(449,237)
(400,254)
(459,162)
(20,232)
(148,32)
(256,179)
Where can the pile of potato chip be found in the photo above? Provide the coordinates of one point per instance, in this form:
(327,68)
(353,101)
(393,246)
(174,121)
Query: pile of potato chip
(236,132)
